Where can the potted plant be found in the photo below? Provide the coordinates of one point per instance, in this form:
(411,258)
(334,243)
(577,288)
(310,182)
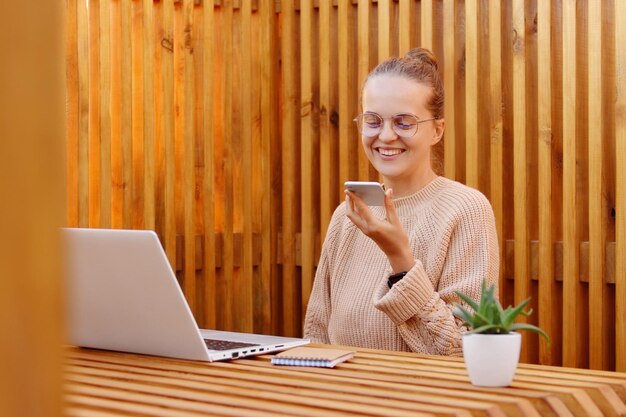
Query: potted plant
(492,345)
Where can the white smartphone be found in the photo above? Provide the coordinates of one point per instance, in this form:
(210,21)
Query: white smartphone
(372,193)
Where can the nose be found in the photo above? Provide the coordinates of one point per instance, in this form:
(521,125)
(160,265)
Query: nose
(387,133)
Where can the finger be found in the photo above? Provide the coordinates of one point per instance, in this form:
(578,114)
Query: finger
(360,207)
(390,208)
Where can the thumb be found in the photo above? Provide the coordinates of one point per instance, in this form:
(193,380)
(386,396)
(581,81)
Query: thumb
(390,208)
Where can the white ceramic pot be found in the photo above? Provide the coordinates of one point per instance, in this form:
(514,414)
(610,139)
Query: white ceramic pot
(491,359)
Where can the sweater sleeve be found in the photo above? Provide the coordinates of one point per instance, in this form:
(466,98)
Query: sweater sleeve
(319,307)
(423,312)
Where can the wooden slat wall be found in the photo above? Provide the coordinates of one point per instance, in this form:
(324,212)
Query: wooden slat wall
(32,180)
(227,127)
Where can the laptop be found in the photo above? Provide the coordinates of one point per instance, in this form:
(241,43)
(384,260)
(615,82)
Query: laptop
(124,296)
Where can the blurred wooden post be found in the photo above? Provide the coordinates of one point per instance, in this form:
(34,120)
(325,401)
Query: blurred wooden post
(31,207)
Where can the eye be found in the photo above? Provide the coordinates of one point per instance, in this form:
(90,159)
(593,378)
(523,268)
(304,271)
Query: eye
(372,120)
(404,121)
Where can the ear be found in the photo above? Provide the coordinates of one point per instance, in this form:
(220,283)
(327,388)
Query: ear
(438,132)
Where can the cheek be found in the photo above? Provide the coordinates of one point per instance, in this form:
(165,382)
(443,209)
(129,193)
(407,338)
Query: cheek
(367,142)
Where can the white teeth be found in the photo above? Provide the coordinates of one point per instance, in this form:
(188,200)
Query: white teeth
(389,152)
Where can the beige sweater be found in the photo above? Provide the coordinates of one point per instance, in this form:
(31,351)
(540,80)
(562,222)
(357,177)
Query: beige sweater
(452,232)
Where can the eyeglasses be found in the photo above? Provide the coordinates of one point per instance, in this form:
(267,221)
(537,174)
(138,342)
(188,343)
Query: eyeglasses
(403,124)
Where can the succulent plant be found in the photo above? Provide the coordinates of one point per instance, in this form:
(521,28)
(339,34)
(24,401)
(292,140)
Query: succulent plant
(489,317)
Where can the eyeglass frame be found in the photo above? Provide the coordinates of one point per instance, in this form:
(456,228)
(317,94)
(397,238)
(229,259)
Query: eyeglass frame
(417,122)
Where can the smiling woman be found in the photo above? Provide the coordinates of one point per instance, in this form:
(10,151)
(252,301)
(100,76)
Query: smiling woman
(387,276)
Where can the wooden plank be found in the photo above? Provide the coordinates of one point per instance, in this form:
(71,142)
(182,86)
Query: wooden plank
(105,114)
(471,93)
(329,175)
(169,138)
(83,117)
(149,206)
(384,30)
(72,117)
(547,283)
(598,290)
(620,186)
(94,115)
(115,108)
(208,242)
(137,105)
(522,278)
(347,90)
(407,24)
(159,50)
(244,293)
(308,150)
(290,207)
(495,104)
(572,302)
(184,144)
(126,110)
(270,143)
(426,24)
(365,41)
(449,80)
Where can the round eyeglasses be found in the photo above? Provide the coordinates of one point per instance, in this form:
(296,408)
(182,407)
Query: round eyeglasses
(403,124)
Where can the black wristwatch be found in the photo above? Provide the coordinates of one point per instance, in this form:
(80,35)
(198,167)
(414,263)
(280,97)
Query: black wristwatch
(395,278)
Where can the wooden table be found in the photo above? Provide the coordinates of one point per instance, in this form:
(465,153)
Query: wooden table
(375,382)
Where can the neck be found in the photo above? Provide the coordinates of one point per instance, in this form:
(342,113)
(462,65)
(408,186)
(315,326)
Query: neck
(403,187)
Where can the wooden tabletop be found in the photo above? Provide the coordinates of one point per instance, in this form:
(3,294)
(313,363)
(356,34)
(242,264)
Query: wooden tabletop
(373,383)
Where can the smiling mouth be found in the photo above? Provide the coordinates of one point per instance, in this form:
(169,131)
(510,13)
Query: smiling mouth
(389,152)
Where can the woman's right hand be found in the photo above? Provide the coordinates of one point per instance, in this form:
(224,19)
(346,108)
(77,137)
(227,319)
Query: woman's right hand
(388,234)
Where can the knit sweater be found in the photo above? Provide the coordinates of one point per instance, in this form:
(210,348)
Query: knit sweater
(452,234)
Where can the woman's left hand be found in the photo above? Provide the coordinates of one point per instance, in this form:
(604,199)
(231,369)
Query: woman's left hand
(388,234)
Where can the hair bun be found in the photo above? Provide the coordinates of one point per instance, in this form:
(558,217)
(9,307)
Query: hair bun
(423,56)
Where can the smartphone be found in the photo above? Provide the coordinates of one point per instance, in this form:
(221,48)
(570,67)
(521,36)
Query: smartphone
(372,193)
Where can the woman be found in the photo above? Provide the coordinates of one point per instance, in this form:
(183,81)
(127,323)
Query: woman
(387,275)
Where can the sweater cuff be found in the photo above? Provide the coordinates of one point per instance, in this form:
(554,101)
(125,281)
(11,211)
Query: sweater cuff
(406,298)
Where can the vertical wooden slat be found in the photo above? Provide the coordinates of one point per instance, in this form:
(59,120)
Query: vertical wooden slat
(149,206)
(328,98)
(471,93)
(72,114)
(270,143)
(620,187)
(449,77)
(547,282)
(522,276)
(495,106)
(290,114)
(105,114)
(365,48)
(307,151)
(137,104)
(168,125)
(598,291)
(244,295)
(115,106)
(83,118)
(406,25)
(426,24)
(126,109)
(210,285)
(94,114)
(183,128)
(384,29)
(32,108)
(347,108)
(572,303)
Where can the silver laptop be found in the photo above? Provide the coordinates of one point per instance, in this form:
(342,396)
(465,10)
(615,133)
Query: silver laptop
(124,296)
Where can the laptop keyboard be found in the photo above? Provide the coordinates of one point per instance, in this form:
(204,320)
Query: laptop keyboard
(213,344)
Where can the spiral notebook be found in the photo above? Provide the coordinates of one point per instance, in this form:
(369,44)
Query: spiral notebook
(310,356)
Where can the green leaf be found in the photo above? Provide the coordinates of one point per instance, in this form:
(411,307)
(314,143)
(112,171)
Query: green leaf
(532,328)
(469,300)
(512,312)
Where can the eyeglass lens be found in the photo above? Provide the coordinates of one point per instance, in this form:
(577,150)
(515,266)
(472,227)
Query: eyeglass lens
(371,124)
